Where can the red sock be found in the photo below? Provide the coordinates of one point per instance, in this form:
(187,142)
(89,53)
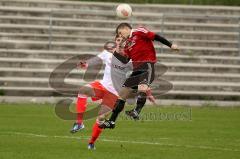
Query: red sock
(81,107)
(95,133)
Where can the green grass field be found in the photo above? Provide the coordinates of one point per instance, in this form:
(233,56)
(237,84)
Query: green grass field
(34,131)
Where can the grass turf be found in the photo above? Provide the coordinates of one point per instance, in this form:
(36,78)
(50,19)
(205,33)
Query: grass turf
(34,131)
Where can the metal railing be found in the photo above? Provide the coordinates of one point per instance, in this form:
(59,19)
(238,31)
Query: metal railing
(50,31)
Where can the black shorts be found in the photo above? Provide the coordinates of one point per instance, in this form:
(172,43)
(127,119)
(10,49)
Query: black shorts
(144,74)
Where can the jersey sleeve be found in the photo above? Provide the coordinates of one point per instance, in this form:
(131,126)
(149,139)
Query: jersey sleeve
(100,58)
(129,66)
(145,32)
(103,56)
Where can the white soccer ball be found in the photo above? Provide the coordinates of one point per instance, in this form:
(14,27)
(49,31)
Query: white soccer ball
(124,11)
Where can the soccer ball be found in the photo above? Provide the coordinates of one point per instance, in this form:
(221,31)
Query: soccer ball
(124,11)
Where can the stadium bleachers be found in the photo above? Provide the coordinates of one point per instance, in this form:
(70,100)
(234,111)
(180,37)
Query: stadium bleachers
(36,36)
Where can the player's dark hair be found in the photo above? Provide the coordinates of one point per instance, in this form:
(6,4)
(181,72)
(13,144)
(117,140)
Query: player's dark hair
(123,25)
(116,36)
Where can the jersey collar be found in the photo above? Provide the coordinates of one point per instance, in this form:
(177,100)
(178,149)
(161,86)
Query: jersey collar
(131,33)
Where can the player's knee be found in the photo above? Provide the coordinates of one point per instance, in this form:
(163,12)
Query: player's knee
(100,120)
(143,88)
(87,90)
(125,93)
(83,90)
(102,117)
(119,106)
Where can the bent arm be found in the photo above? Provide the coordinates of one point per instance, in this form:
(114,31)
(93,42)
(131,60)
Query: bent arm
(121,58)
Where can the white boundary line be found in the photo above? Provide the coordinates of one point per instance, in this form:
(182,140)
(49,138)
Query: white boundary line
(123,141)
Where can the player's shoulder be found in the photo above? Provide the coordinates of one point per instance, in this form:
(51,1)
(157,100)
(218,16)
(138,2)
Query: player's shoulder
(140,29)
(104,54)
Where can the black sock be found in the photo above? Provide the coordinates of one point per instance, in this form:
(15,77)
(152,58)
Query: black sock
(119,105)
(142,97)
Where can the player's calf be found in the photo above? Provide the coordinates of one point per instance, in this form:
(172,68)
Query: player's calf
(142,98)
(117,109)
(134,113)
(110,124)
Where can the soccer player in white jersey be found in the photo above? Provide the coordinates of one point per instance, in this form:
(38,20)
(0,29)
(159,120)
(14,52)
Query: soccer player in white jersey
(105,89)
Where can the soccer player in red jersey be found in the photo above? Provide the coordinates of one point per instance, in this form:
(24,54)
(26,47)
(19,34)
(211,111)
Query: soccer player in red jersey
(140,49)
(103,90)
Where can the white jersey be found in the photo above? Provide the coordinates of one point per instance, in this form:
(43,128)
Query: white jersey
(115,72)
(107,79)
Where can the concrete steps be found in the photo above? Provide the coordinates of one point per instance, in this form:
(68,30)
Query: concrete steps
(162,57)
(29,91)
(206,86)
(110,15)
(137,7)
(90,31)
(201,76)
(163,102)
(77,74)
(97,47)
(192,67)
(97,39)
(177,85)
(193,95)
(34,82)
(172,66)
(201,95)
(224,60)
(108,24)
(206,68)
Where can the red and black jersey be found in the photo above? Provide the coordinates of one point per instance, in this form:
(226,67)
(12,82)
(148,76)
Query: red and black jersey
(139,46)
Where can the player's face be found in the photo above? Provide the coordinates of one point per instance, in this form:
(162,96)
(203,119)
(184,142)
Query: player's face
(118,40)
(124,32)
(120,48)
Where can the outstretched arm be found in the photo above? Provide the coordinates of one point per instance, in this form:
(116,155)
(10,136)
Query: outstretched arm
(94,61)
(165,42)
(162,40)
